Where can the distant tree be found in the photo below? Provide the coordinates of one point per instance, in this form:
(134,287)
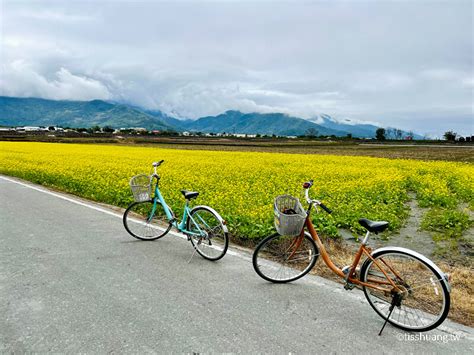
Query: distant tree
(311,132)
(450,136)
(468,139)
(108,129)
(168,133)
(390,133)
(349,136)
(81,130)
(380,134)
(461,139)
(258,135)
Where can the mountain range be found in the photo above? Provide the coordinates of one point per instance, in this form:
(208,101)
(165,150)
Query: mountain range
(252,123)
(40,112)
(16,111)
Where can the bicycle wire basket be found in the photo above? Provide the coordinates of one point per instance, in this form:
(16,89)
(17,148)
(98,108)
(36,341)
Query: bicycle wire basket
(141,187)
(289,215)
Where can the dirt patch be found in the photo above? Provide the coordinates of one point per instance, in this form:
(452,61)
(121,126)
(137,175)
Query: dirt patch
(411,236)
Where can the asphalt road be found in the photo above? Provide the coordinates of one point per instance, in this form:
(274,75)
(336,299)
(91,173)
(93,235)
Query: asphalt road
(72,280)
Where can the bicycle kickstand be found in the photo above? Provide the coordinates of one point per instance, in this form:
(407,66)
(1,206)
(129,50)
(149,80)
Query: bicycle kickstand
(191,258)
(395,302)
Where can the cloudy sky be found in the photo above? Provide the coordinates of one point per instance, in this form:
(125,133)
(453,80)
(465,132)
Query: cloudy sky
(407,64)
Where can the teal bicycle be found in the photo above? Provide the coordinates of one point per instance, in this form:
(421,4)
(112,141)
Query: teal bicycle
(150,218)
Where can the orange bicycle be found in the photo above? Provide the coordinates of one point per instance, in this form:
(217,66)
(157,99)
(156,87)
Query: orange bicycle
(404,287)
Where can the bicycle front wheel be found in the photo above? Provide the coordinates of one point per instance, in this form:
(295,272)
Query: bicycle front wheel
(423,292)
(208,235)
(144,222)
(283,259)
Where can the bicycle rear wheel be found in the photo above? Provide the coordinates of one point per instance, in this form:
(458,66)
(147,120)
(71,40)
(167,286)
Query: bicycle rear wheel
(424,295)
(143,223)
(210,237)
(283,259)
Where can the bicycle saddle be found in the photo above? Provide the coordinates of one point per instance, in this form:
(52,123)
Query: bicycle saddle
(189,194)
(373,226)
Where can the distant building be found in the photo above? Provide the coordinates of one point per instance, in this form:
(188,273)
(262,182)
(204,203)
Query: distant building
(30,129)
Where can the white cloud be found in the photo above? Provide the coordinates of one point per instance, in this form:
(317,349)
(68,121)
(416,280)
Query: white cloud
(20,79)
(440,74)
(469,82)
(381,81)
(55,16)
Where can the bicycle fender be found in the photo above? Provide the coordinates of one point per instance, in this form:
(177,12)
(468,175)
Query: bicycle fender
(417,255)
(210,209)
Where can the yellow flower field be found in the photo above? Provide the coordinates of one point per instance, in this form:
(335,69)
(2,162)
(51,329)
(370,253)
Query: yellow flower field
(241,186)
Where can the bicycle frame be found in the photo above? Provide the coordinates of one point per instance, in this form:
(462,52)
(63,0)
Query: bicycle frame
(363,249)
(169,215)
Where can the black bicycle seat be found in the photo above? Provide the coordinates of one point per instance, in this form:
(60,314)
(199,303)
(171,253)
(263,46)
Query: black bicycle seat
(373,226)
(189,194)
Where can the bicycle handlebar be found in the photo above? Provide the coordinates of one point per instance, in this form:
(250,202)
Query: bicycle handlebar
(324,207)
(307,186)
(156,164)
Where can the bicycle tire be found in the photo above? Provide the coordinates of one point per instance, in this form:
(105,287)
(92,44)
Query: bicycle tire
(269,249)
(415,307)
(139,226)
